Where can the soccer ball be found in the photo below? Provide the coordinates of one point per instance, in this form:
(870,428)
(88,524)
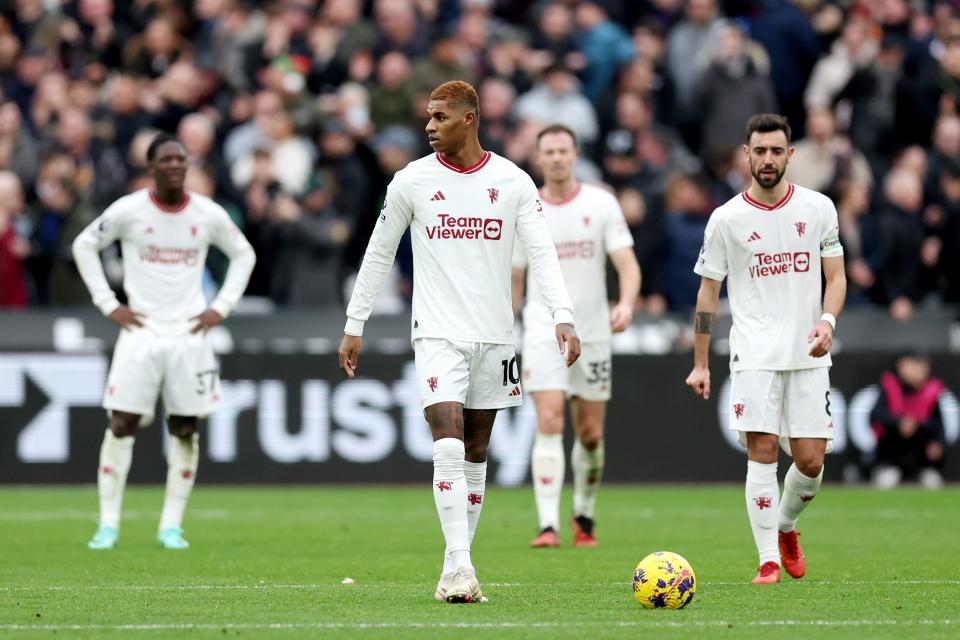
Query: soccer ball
(664,580)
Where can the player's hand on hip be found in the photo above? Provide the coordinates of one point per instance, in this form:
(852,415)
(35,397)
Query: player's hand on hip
(820,339)
(125,317)
(569,342)
(205,321)
(699,381)
(349,354)
(620,317)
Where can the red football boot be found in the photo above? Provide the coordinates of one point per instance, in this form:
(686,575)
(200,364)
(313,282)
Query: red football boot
(768,573)
(791,555)
(583,535)
(547,538)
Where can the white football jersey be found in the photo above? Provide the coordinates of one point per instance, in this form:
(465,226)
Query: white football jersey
(463,223)
(770,256)
(585,228)
(164,251)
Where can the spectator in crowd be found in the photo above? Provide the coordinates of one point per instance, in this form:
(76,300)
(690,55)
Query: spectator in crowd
(947,208)
(895,236)
(19,151)
(853,202)
(908,424)
(496,101)
(291,157)
(392,95)
(552,41)
(686,211)
(855,50)
(255,133)
(605,46)
(14,248)
(932,92)
(734,88)
(825,157)
(690,46)
(792,46)
(556,100)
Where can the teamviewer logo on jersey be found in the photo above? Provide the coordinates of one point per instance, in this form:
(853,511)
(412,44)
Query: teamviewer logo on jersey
(450,227)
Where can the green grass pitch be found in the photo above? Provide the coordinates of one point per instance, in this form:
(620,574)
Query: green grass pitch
(268,563)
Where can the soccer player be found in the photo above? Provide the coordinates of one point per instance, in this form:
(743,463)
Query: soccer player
(162,348)
(586,225)
(775,243)
(464,207)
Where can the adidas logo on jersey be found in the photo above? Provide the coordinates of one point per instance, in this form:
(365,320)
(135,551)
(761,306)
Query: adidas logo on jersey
(753,236)
(437,196)
(515,392)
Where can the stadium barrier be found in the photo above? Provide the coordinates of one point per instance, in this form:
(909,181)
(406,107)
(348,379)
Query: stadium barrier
(296,419)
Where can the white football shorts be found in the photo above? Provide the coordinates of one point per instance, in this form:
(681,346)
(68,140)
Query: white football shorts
(545,369)
(790,404)
(479,375)
(179,368)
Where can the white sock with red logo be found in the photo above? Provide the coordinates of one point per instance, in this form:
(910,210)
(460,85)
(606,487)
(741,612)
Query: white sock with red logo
(798,491)
(587,470)
(476,475)
(547,468)
(182,460)
(450,497)
(763,507)
(115,457)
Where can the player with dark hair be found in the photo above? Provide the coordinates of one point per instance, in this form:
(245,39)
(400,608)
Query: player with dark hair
(586,226)
(774,243)
(464,207)
(162,349)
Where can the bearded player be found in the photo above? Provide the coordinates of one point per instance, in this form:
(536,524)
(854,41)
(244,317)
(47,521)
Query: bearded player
(464,207)
(775,243)
(586,226)
(162,350)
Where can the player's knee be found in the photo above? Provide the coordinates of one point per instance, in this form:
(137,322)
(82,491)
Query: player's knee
(809,465)
(475,451)
(181,427)
(550,422)
(765,450)
(124,425)
(591,438)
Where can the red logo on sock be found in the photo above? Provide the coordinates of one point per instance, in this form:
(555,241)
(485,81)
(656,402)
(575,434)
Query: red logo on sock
(808,498)
(763,502)
(107,469)
(187,474)
(546,480)
(475,498)
(445,486)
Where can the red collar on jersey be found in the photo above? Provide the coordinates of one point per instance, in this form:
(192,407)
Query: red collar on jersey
(576,192)
(168,209)
(479,165)
(770,207)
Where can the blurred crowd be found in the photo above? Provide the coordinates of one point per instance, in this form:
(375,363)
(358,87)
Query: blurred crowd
(296,114)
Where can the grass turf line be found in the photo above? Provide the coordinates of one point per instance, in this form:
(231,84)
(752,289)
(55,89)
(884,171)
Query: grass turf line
(269,563)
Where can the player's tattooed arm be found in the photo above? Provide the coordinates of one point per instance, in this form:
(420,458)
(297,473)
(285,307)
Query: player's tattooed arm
(703,322)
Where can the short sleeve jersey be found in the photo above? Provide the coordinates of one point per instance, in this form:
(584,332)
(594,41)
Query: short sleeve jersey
(770,256)
(585,228)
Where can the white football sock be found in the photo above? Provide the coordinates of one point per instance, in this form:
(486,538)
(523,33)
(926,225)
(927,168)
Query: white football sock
(763,502)
(547,468)
(798,491)
(182,459)
(476,475)
(450,496)
(115,457)
(587,471)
